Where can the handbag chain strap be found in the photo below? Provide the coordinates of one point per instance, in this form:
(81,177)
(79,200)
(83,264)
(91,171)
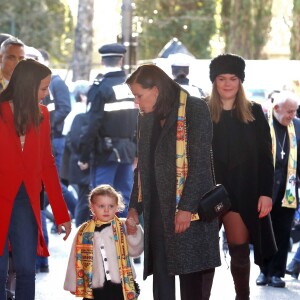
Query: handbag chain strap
(212,166)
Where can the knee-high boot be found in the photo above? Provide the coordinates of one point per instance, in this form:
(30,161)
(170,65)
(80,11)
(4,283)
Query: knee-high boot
(240,270)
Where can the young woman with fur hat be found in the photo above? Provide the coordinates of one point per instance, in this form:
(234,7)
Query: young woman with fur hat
(244,165)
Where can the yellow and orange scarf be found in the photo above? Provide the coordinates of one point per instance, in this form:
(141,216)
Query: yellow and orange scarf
(181,150)
(289,200)
(84,259)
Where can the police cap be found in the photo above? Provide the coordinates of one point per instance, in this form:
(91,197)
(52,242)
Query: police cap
(180,60)
(114,49)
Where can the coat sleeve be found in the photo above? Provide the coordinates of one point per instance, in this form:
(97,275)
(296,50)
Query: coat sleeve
(134,193)
(70,279)
(62,100)
(199,138)
(50,176)
(265,159)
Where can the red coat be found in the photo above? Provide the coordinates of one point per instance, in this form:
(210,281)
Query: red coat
(34,165)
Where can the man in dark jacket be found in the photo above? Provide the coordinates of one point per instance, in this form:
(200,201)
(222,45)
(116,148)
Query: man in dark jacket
(285,132)
(59,104)
(111,128)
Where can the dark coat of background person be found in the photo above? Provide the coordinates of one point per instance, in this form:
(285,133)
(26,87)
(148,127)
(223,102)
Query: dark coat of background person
(251,153)
(103,124)
(187,252)
(71,170)
(58,104)
(72,150)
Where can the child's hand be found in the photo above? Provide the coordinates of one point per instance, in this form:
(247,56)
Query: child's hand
(131,223)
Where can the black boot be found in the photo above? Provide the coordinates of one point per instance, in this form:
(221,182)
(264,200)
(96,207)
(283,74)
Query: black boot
(240,270)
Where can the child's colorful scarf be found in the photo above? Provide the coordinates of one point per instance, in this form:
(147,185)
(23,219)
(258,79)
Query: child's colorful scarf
(84,259)
(181,150)
(289,200)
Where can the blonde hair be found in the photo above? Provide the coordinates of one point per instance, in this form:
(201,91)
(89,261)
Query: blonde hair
(242,105)
(106,190)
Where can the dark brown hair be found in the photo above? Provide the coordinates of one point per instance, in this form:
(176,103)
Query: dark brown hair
(22,90)
(149,76)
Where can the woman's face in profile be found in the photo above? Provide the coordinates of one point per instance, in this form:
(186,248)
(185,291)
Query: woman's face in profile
(43,90)
(144,98)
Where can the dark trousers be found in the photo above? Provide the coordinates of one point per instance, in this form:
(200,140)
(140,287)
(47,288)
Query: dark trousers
(282,219)
(82,210)
(110,291)
(23,235)
(195,286)
(163,284)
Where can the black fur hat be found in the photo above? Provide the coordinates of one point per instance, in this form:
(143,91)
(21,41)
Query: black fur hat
(227,64)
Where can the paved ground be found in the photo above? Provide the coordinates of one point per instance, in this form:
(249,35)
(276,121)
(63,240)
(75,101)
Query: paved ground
(50,286)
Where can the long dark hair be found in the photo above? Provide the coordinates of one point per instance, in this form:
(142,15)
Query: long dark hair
(149,76)
(242,105)
(22,90)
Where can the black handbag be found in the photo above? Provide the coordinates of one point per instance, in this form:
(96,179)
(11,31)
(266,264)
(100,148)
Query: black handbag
(215,202)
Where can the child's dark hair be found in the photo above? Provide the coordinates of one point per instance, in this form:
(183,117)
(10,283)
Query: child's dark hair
(107,190)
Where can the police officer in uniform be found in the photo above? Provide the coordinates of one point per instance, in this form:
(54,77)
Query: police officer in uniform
(180,64)
(108,144)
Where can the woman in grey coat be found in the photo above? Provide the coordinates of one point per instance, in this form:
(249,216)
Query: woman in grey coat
(174,245)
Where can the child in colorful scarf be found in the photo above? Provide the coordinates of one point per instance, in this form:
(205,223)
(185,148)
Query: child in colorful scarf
(99,265)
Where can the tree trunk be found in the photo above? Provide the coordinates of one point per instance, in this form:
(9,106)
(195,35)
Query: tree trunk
(295,35)
(83,46)
(246,25)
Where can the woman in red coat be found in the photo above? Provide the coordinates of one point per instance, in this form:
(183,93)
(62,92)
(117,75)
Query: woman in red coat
(25,162)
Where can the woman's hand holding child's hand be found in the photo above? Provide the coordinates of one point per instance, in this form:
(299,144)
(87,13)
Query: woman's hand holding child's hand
(132,221)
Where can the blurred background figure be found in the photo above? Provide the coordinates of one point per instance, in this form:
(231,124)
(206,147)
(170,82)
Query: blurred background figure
(180,64)
(285,133)
(75,125)
(80,90)
(33,53)
(59,104)
(293,268)
(111,129)
(4,36)
(12,50)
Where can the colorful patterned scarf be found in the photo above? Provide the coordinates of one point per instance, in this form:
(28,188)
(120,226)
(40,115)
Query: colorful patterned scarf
(181,154)
(289,200)
(181,150)
(84,259)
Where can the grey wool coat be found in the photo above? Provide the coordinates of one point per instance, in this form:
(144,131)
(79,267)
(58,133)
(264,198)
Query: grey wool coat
(197,248)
